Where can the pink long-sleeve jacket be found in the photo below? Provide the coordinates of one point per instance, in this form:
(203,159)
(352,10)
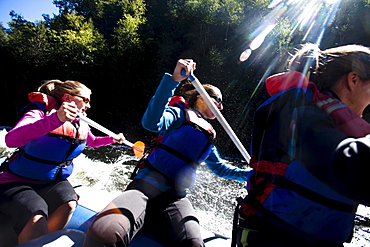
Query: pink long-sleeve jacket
(33,125)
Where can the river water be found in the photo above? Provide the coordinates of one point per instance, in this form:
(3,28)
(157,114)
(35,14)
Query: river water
(105,171)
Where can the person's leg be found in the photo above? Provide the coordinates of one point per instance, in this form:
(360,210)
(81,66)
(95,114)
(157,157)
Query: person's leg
(118,222)
(26,210)
(61,216)
(62,201)
(183,225)
(35,227)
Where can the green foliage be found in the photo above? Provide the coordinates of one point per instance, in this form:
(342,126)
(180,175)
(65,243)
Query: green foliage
(282,34)
(77,42)
(2,32)
(126,35)
(28,41)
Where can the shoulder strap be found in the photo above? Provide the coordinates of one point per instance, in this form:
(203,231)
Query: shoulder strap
(208,134)
(195,117)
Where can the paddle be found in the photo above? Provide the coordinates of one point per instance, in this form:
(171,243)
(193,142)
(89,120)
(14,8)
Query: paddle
(138,147)
(198,86)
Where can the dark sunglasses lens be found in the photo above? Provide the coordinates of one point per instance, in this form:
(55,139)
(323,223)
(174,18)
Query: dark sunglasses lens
(84,99)
(217,99)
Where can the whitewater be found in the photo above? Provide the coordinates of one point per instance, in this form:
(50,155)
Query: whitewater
(103,173)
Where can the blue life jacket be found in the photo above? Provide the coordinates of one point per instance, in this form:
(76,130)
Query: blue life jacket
(49,157)
(287,193)
(181,150)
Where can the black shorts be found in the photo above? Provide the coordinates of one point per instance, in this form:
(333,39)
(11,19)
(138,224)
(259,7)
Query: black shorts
(21,201)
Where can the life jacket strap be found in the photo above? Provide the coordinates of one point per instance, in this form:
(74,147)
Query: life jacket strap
(67,138)
(208,134)
(143,162)
(283,182)
(43,161)
(275,168)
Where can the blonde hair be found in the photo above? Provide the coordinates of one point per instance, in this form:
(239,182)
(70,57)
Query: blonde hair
(57,88)
(326,67)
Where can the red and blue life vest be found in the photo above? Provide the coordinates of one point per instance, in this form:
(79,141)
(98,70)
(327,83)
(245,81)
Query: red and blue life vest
(180,151)
(50,157)
(289,195)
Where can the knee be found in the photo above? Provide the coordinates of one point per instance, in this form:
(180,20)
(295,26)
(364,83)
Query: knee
(110,229)
(71,206)
(36,219)
(68,208)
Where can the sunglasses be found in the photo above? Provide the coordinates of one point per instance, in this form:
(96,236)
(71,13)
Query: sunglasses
(84,99)
(217,99)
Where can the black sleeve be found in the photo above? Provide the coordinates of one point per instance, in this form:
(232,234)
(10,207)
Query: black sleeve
(352,163)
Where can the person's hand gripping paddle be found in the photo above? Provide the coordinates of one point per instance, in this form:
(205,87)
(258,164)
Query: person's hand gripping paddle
(138,147)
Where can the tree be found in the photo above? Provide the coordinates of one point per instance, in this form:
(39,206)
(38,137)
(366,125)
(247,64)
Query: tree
(28,41)
(126,34)
(76,44)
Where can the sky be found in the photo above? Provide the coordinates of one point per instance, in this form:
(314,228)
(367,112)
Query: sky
(31,10)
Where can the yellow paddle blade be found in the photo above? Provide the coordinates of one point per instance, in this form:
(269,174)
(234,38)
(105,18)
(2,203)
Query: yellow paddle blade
(139,148)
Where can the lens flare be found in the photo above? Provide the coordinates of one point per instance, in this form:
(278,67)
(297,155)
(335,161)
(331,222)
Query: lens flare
(257,42)
(307,18)
(289,22)
(245,55)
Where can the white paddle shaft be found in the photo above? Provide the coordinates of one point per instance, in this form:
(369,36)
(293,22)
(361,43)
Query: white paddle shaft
(198,86)
(103,129)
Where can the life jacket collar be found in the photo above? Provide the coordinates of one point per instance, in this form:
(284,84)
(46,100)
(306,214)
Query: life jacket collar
(48,100)
(179,101)
(283,81)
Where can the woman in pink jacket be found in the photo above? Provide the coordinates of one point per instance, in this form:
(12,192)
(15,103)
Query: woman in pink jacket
(34,190)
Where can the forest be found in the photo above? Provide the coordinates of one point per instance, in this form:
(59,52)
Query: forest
(121,48)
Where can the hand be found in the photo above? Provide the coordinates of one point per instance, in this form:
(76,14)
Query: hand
(67,112)
(121,139)
(183,64)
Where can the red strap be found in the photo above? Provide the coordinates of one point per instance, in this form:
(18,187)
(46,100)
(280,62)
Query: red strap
(274,168)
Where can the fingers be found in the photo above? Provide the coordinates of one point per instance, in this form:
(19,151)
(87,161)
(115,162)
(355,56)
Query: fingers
(121,138)
(187,65)
(67,112)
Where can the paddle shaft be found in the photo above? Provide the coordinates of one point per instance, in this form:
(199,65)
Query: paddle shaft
(103,129)
(198,86)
